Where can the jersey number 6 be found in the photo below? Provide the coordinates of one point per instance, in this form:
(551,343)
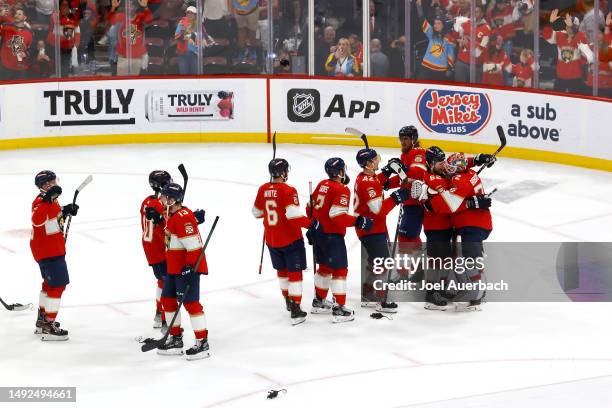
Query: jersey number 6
(272,215)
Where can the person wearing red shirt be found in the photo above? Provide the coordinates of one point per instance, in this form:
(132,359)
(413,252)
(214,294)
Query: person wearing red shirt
(49,251)
(136,33)
(153,237)
(278,204)
(494,61)
(523,71)
(183,249)
(462,36)
(468,206)
(369,202)
(17,39)
(331,217)
(572,48)
(69,34)
(604,48)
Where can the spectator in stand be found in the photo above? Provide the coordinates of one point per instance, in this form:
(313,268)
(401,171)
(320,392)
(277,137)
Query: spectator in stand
(136,33)
(588,25)
(5,13)
(186,36)
(376,23)
(43,10)
(155,7)
(263,32)
(397,60)
(379,63)
(323,46)
(282,64)
(571,48)
(42,64)
(17,39)
(523,71)
(439,58)
(340,62)
(357,48)
(494,61)
(461,33)
(605,61)
(215,18)
(69,34)
(502,17)
(87,27)
(246,13)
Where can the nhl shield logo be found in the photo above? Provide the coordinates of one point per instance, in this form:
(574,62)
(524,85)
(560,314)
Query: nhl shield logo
(303,105)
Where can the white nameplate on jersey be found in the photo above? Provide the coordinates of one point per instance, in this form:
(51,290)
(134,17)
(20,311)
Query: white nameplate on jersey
(180,106)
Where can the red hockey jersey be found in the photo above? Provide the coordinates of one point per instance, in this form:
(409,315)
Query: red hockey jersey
(15,45)
(452,201)
(415,161)
(136,33)
(153,238)
(370,202)
(47,238)
(183,242)
(569,61)
(436,220)
(279,206)
(331,206)
(482,34)
(493,67)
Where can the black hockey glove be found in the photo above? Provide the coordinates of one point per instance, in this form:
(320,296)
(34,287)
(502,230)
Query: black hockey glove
(400,195)
(51,194)
(478,202)
(363,223)
(70,209)
(200,216)
(187,269)
(152,214)
(482,159)
(388,170)
(313,231)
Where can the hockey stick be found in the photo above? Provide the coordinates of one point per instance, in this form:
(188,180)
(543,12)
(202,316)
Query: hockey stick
(394,249)
(359,134)
(150,345)
(15,307)
(502,139)
(183,171)
(263,238)
(76,193)
(314,257)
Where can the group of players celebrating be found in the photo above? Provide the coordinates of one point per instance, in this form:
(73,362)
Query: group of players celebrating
(442,195)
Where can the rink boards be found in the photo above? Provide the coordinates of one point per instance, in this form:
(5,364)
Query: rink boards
(539,126)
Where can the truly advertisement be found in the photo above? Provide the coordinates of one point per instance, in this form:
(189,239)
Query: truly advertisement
(453,112)
(179,106)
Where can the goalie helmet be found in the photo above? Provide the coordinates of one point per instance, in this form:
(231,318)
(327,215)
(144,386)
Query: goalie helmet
(455,163)
(44,177)
(158,179)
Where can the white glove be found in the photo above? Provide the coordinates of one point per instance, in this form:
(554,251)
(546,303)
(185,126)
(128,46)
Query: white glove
(397,169)
(418,190)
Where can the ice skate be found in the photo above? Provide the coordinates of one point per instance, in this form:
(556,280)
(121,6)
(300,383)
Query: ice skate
(435,301)
(50,331)
(321,306)
(341,314)
(198,351)
(173,347)
(471,306)
(297,314)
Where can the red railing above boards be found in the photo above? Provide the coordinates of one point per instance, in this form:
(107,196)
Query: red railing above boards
(306,77)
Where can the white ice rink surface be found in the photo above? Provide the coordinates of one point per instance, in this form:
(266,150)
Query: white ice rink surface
(509,355)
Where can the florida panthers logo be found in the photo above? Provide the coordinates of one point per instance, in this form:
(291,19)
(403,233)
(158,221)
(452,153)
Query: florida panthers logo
(17,45)
(134,34)
(567,54)
(453,112)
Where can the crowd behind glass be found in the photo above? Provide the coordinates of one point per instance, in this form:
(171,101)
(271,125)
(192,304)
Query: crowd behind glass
(565,45)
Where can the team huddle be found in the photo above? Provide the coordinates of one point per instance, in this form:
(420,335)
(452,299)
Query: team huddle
(441,195)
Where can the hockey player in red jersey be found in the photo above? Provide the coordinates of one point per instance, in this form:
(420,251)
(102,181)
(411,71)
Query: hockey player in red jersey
(331,217)
(49,250)
(468,206)
(183,248)
(369,202)
(278,204)
(153,239)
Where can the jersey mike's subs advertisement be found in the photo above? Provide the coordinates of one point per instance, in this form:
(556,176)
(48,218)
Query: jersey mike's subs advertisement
(179,106)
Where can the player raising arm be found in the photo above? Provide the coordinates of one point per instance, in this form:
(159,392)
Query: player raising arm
(184,246)
(278,204)
(49,250)
(330,219)
(369,202)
